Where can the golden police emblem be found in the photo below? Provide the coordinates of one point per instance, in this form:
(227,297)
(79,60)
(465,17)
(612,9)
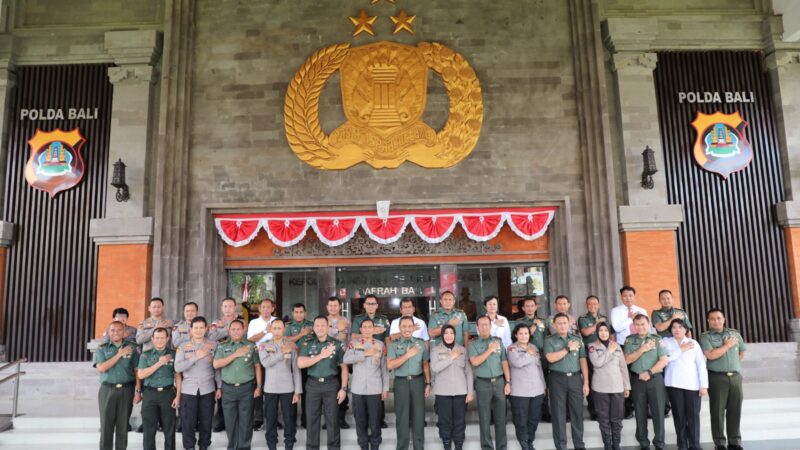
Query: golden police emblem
(384,88)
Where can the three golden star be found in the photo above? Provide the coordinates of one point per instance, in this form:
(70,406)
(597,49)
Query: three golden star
(363,23)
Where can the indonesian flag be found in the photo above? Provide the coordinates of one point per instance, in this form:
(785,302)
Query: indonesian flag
(245,288)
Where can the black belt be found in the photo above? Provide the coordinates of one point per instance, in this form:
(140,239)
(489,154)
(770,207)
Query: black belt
(492,379)
(118,385)
(566,374)
(727,374)
(237,384)
(324,379)
(157,389)
(408,377)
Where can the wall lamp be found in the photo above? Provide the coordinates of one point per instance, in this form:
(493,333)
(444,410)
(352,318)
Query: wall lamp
(118,181)
(650,169)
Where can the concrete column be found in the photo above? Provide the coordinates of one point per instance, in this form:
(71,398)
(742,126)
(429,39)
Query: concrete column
(135,53)
(647,224)
(783,64)
(639,117)
(125,235)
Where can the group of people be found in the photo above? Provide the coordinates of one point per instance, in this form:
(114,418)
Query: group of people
(262,370)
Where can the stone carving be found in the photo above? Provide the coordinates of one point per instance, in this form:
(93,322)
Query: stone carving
(409,244)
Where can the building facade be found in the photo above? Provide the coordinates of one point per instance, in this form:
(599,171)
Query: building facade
(252,170)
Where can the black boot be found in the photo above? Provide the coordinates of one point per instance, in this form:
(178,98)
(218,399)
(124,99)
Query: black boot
(459,445)
(616,439)
(447,445)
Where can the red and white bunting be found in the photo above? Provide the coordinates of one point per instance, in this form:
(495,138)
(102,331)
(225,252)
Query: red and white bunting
(237,232)
(431,226)
(286,232)
(434,229)
(385,231)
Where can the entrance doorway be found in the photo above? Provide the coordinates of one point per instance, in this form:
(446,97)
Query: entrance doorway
(471,283)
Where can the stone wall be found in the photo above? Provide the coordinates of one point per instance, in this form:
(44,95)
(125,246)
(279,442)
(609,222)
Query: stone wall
(246,53)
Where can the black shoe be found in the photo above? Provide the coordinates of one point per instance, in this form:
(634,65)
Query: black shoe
(257,425)
(384,425)
(629,415)
(735,447)
(343,425)
(220,427)
(720,447)
(593,417)
(178,429)
(140,429)
(324,426)
(280,426)
(129,428)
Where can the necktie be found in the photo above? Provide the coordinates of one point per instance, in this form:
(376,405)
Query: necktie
(632,328)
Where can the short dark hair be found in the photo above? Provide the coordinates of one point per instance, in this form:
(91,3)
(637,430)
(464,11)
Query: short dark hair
(267,300)
(516,330)
(366,319)
(299,305)
(626,288)
(560,315)
(679,322)
(714,310)
(405,318)
(120,311)
(199,319)
(484,316)
(325,318)
(334,298)
(161,330)
(447,292)
(226,299)
(490,298)
(239,321)
(191,304)
(664,291)
(370,296)
(407,300)
(640,317)
(115,322)
(530,299)
(156,299)
(592,296)
(559,297)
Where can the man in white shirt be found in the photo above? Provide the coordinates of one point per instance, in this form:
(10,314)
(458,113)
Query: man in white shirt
(258,328)
(407,309)
(622,315)
(258,332)
(622,321)
(501,328)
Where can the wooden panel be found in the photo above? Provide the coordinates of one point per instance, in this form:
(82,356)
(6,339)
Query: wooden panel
(731,250)
(52,265)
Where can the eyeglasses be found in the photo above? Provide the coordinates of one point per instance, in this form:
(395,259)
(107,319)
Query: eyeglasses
(370,304)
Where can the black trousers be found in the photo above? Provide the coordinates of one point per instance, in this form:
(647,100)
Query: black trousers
(116,405)
(322,399)
(649,395)
(566,397)
(366,410)
(157,407)
(610,410)
(302,404)
(197,413)
(451,413)
(527,411)
(686,417)
(273,403)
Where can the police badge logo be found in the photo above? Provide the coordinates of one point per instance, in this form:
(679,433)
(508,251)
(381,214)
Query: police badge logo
(384,88)
(55,163)
(721,145)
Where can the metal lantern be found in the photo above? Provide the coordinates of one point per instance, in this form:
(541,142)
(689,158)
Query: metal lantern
(118,181)
(650,169)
